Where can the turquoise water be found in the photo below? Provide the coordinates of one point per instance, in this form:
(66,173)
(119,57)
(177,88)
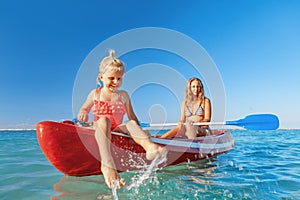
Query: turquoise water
(262,165)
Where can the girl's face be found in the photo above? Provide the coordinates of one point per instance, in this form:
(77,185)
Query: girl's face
(112,79)
(195,87)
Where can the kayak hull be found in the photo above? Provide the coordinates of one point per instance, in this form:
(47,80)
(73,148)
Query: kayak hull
(73,150)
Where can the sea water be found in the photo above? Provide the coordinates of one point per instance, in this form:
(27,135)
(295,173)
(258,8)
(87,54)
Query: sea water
(262,165)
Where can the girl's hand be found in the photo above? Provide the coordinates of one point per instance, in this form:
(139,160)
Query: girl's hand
(83,116)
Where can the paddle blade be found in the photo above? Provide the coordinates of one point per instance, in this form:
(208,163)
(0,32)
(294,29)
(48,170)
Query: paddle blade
(143,124)
(257,122)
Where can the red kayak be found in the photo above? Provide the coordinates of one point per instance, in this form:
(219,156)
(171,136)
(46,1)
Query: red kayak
(73,150)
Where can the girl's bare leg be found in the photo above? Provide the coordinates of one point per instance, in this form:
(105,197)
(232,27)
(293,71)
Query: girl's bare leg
(103,138)
(143,139)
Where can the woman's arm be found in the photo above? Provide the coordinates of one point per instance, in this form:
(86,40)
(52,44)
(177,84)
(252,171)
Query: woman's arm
(182,112)
(207,110)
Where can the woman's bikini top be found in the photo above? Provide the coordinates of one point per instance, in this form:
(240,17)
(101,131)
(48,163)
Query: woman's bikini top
(198,112)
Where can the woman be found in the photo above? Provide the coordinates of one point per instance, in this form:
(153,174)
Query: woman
(194,108)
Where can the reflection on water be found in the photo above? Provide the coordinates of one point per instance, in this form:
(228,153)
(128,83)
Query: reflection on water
(143,184)
(88,187)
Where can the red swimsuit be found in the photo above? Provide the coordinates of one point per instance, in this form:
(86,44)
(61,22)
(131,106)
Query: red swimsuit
(113,110)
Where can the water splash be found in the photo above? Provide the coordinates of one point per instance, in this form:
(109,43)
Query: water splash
(147,171)
(114,189)
(145,174)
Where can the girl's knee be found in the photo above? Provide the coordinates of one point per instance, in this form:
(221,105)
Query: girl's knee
(102,122)
(132,123)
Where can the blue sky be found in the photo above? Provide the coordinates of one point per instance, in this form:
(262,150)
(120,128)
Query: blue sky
(254,44)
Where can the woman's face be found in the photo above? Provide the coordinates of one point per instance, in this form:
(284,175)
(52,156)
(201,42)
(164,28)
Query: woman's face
(195,87)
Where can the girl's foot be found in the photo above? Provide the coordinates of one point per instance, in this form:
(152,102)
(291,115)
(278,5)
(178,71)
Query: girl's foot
(112,177)
(155,150)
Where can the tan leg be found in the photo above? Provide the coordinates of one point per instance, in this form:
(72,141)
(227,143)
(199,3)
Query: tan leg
(103,138)
(142,138)
(179,130)
(190,131)
(203,131)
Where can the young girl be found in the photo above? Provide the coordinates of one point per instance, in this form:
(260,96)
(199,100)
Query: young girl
(109,106)
(194,108)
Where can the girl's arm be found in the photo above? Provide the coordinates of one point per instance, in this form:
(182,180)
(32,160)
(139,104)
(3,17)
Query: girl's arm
(83,114)
(130,113)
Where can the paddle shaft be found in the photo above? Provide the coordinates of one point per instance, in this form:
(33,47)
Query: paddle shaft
(195,124)
(250,122)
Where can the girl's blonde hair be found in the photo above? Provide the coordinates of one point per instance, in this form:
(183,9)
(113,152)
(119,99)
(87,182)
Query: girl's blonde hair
(110,62)
(189,95)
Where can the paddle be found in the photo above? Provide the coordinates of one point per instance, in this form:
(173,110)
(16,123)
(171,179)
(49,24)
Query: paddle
(250,122)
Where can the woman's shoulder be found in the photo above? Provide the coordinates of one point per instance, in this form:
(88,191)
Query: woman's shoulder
(206,99)
(183,103)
